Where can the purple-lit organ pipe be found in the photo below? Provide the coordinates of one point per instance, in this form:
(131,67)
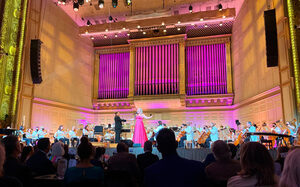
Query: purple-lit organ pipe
(156,70)
(113,76)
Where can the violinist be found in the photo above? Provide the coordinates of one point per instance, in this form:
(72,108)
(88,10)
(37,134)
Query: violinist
(214,133)
(182,136)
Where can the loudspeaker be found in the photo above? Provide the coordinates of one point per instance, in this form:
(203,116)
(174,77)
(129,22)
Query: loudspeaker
(271,38)
(35,65)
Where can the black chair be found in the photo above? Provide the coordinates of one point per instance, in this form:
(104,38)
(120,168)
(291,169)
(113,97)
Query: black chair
(85,183)
(120,179)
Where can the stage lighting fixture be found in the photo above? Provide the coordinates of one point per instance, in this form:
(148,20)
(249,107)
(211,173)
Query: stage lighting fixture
(224,17)
(128,34)
(105,36)
(116,36)
(114,3)
(75,6)
(191,8)
(221,23)
(88,23)
(165,30)
(201,19)
(220,7)
(92,38)
(101,3)
(138,26)
(63,2)
(193,24)
(86,32)
(87,1)
(163,23)
(144,33)
(106,30)
(124,28)
(205,25)
(81,2)
(128,2)
(178,29)
(178,22)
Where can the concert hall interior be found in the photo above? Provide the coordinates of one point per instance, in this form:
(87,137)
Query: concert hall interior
(150,93)
(197,61)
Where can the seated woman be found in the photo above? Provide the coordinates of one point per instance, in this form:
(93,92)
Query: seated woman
(290,176)
(74,137)
(61,136)
(257,167)
(84,171)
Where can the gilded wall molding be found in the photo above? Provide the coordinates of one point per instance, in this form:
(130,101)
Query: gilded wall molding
(112,49)
(208,40)
(158,40)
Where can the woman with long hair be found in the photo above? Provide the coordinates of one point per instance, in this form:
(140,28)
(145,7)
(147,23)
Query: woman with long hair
(139,135)
(290,176)
(257,167)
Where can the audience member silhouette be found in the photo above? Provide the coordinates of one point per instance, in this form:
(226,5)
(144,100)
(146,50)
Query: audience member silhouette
(146,159)
(257,167)
(39,162)
(84,172)
(279,162)
(290,176)
(97,161)
(27,152)
(124,161)
(173,170)
(224,167)
(12,166)
(4,180)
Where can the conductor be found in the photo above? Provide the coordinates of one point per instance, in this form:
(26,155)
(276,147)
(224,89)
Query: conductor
(118,126)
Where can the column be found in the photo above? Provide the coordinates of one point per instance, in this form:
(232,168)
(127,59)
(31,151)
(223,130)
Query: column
(228,67)
(96,76)
(182,68)
(131,72)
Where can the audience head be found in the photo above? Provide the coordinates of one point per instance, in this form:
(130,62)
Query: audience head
(148,146)
(84,139)
(221,150)
(99,152)
(282,152)
(58,149)
(166,142)
(290,176)
(122,147)
(2,159)
(44,144)
(26,153)
(256,161)
(233,150)
(12,146)
(85,151)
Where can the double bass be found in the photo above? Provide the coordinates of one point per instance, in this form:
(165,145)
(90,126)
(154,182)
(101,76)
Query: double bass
(180,135)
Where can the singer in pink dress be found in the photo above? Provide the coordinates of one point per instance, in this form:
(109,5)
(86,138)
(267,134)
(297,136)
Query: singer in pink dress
(139,135)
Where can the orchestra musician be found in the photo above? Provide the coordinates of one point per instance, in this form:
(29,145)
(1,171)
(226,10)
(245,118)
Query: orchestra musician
(42,133)
(34,135)
(61,136)
(214,132)
(158,128)
(88,133)
(189,135)
(252,129)
(181,136)
(74,138)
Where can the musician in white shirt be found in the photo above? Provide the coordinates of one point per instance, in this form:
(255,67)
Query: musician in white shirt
(214,136)
(60,135)
(74,137)
(158,128)
(189,136)
(42,133)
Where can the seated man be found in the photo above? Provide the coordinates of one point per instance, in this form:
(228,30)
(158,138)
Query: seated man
(39,162)
(224,167)
(173,170)
(146,159)
(12,166)
(124,161)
